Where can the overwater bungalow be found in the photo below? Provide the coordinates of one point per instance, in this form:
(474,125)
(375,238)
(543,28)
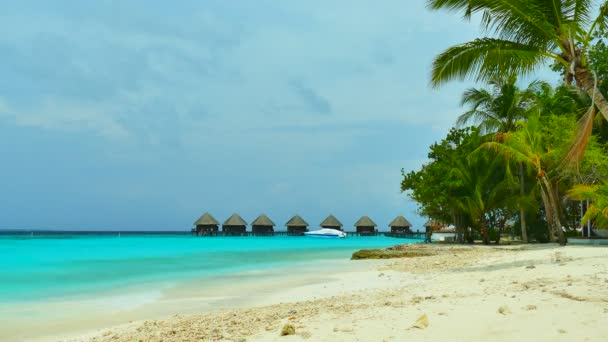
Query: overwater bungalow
(400,225)
(206,225)
(432,225)
(262,226)
(366,226)
(331,222)
(234,225)
(296,226)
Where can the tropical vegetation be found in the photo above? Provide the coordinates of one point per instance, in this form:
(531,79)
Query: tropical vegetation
(529,161)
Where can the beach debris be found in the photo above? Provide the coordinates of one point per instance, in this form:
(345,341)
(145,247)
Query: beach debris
(292,312)
(401,251)
(422,322)
(269,328)
(566,295)
(504,310)
(288,329)
(481,280)
(381,275)
(530,307)
(442,313)
(343,329)
(562,331)
(530,266)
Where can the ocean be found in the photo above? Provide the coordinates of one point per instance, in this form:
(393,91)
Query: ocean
(57,266)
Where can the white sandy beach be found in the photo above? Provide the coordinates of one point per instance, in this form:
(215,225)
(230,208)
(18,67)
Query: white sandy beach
(540,293)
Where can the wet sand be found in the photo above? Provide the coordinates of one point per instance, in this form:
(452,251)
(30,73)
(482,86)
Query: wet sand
(58,319)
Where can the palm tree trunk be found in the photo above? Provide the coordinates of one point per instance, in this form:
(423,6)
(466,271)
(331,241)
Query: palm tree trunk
(548,212)
(459,232)
(468,235)
(551,206)
(522,211)
(484,232)
(585,81)
(600,101)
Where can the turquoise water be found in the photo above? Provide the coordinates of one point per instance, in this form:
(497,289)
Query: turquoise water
(34,268)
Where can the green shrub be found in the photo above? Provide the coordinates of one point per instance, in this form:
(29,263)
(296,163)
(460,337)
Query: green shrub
(573,233)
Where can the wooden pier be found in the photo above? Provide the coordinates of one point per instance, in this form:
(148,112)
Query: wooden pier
(412,236)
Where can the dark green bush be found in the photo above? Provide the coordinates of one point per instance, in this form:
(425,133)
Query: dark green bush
(573,233)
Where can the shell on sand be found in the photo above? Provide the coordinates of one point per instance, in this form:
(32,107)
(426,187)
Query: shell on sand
(422,322)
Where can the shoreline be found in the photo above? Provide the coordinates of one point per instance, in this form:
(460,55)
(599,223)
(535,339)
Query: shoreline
(498,293)
(186,296)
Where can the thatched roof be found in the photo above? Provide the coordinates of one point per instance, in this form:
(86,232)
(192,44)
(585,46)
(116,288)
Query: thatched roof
(262,220)
(235,220)
(296,221)
(400,221)
(432,223)
(446,230)
(206,220)
(365,221)
(331,221)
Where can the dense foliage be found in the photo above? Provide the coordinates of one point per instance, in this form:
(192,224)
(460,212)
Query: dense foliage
(534,156)
(482,179)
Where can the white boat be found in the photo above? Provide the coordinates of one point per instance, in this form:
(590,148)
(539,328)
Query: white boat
(326,232)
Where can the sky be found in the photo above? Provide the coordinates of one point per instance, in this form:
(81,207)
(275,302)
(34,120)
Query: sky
(146,114)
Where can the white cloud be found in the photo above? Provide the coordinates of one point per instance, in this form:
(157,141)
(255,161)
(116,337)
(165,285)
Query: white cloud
(353,62)
(54,115)
(253,104)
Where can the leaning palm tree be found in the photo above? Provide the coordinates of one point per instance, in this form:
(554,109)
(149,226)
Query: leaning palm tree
(524,35)
(527,146)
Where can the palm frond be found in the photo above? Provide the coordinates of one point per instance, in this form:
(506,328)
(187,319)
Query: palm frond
(601,21)
(508,152)
(485,59)
(577,149)
(523,21)
(476,97)
(582,192)
(578,10)
(473,116)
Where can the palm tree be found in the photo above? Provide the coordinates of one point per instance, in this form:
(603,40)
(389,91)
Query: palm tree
(598,210)
(524,35)
(497,110)
(482,187)
(527,146)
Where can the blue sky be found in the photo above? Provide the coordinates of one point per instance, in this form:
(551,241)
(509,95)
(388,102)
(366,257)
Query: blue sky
(145,114)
